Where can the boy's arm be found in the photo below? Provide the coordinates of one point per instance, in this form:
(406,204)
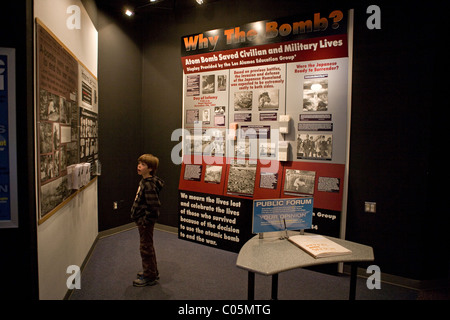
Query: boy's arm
(151,196)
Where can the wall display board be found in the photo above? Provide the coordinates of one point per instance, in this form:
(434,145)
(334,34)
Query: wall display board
(66,122)
(271,215)
(8,154)
(265,109)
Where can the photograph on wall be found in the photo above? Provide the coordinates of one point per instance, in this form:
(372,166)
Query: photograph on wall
(314,146)
(208,84)
(214,144)
(243,100)
(315,93)
(268,99)
(241,178)
(222,82)
(213,174)
(299,181)
(88,137)
(192,116)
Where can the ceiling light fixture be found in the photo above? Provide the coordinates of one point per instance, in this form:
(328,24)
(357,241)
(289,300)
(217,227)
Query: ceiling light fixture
(129,12)
(199,1)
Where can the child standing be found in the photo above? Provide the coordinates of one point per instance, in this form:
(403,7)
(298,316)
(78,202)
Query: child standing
(145,212)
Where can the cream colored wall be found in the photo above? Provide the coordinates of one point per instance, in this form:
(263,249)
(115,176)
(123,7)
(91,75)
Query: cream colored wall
(67,236)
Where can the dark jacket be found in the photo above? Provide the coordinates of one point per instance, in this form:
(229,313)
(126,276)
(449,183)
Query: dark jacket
(146,204)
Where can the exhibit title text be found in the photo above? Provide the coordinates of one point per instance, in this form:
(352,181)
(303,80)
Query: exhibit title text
(261,32)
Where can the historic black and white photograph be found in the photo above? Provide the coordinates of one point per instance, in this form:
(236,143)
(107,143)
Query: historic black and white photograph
(243,100)
(314,146)
(213,174)
(241,178)
(315,94)
(299,181)
(208,84)
(268,100)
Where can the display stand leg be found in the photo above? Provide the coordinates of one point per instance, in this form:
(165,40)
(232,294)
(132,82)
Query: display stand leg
(353,272)
(251,286)
(275,286)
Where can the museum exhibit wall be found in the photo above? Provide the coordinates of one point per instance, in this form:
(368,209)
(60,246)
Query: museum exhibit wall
(389,124)
(65,238)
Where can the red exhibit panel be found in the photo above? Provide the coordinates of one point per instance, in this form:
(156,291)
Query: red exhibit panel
(324,181)
(203,174)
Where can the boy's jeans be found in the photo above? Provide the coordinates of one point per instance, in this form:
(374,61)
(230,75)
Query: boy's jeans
(147,250)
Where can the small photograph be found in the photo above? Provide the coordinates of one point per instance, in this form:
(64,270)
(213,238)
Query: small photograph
(268,100)
(219,110)
(315,94)
(267,150)
(299,181)
(241,179)
(213,143)
(208,84)
(206,116)
(314,146)
(222,83)
(213,174)
(45,137)
(243,101)
(192,116)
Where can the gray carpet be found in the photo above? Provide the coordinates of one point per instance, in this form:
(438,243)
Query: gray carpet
(190,271)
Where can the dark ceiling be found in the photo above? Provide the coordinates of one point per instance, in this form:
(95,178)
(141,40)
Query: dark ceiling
(146,6)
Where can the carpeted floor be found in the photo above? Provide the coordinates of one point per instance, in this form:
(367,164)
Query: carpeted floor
(190,271)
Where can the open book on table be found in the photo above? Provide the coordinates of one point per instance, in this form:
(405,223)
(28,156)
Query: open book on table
(318,246)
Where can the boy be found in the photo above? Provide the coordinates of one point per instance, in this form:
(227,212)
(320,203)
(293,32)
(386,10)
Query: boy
(145,212)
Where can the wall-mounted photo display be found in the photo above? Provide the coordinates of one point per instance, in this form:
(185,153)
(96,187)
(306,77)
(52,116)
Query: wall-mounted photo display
(66,119)
(251,84)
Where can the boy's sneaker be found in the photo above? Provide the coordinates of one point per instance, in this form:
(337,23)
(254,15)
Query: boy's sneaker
(140,275)
(142,282)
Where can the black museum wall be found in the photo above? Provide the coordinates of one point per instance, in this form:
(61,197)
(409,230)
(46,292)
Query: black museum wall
(18,250)
(391,127)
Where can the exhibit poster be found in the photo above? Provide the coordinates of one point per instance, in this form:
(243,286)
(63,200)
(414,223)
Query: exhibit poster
(8,154)
(270,215)
(66,120)
(267,104)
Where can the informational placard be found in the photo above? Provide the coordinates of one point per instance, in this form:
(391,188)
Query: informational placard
(8,155)
(215,221)
(271,215)
(66,120)
(241,83)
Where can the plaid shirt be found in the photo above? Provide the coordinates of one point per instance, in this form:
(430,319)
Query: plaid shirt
(146,204)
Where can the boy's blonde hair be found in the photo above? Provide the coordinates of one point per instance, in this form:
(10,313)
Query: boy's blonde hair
(150,160)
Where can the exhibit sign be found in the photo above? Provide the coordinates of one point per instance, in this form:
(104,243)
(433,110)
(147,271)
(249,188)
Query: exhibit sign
(266,112)
(214,220)
(66,121)
(271,215)
(8,152)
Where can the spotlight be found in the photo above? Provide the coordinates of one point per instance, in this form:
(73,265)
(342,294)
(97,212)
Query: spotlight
(129,12)
(199,1)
